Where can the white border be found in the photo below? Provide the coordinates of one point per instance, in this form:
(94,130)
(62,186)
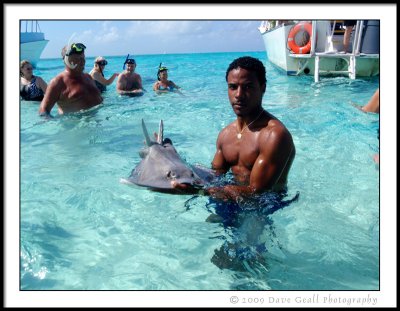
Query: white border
(386,297)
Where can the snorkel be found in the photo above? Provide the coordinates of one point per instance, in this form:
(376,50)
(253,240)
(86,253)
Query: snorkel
(129,61)
(70,65)
(127,57)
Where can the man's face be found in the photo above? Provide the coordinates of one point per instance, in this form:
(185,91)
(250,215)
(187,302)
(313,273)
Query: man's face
(79,60)
(244,91)
(130,67)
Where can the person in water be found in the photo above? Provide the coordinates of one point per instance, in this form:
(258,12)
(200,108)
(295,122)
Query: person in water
(374,107)
(32,88)
(72,90)
(129,82)
(256,147)
(97,73)
(163,84)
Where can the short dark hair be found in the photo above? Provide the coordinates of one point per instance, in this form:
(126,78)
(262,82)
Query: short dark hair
(251,64)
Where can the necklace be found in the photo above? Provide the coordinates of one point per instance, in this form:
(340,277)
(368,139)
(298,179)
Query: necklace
(239,135)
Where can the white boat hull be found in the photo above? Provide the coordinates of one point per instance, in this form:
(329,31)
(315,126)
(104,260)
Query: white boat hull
(32,51)
(331,63)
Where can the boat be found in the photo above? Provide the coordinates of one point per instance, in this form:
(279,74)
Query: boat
(32,42)
(316,48)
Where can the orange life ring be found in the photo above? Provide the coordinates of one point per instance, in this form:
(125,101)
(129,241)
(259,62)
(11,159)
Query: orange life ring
(291,38)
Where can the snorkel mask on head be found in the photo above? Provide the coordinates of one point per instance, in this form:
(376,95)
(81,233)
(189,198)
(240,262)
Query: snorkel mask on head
(102,63)
(128,61)
(74,48)
(161,69)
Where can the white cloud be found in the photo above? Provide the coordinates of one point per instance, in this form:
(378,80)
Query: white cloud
(106,34)
(168,28)
(109,35)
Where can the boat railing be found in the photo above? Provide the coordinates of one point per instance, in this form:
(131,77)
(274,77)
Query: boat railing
(357,37)
(32,33)
(34,26)
(313,37)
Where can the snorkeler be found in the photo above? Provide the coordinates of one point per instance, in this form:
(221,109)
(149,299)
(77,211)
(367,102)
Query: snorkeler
(97,73)
(32,88)
(72,90)
(163,84)
(129,82)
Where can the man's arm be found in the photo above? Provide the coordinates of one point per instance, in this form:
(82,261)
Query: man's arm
(219,163)
(276,151)
(139,80)
(121,84)
(276,148)
(52,95)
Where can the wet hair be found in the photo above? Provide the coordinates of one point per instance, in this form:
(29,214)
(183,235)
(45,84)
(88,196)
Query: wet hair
(251,64)
(22,65)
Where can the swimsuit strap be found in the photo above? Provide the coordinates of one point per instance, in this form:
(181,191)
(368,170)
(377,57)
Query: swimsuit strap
(31,91)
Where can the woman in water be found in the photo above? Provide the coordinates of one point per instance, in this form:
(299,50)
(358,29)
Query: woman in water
(97,74)
(163,84)
(31,87)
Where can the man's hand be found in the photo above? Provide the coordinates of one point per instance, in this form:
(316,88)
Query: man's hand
(187,189)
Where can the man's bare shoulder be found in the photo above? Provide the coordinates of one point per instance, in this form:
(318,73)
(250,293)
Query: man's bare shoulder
(136,76)
(276,131)
(224,133)
(122,76)
(59,80)
(231,126)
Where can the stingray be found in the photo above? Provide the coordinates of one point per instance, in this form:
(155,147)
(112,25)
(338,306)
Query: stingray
(161,164)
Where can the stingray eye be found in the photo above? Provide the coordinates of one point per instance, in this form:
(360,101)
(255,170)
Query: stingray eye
(171,174)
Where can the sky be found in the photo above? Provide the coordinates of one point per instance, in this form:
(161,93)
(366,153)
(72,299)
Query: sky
(138,37)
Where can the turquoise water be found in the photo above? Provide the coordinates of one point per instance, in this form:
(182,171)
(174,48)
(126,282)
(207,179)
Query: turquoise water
(81,229)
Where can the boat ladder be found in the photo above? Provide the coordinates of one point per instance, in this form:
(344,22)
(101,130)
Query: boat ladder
(349,57)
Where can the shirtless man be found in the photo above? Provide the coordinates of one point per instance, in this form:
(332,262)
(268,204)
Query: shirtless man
(72,90)
(256,147)
(129,83)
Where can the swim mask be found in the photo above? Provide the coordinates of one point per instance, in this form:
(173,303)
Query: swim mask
(102,63)
(129,61)
(161,68)
(75,48)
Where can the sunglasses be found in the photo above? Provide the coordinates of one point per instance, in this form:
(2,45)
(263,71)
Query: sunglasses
(28,68)
(76,48)
(102,63)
